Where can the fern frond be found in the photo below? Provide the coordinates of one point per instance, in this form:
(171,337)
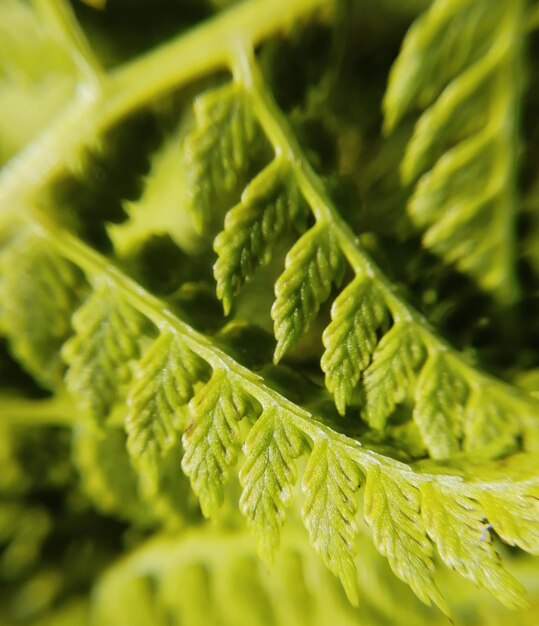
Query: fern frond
(211,577)
(439,410)
(38,293)
(218,151)
(107,330)
(358,314)
(268,476)
(392,368)
(233,392)
(454,522)
(156,399)
(330,483)
(393,510)
(269,205)
(460,63)
(388,378)
(212,439)
(312,266)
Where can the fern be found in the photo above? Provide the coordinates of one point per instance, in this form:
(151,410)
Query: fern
(155,395)
(464,145)
(268,476)
(107,329)
(37,303)
(164,385)
(330,483)
(358,314)
(269,205)
(312,266)
(224,136)
(211,440)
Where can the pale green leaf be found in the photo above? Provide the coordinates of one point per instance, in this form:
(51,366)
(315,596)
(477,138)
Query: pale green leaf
(331,482)
(107,331)
(440,397)
(357,315)
(38,293)
(219,149)
(268,476)
(212,439)
(389,377)
(393,511)
(269,206)
(312,266)
(456,524)
(162,387)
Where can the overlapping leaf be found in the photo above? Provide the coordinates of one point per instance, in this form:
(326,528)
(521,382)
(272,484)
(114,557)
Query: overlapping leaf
(357,315)
(162,387)
(219,149)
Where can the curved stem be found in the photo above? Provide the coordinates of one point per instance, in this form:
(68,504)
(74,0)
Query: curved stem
(97,107)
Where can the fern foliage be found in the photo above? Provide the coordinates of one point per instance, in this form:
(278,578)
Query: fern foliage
(312,266)
(269,475)
(330,483)
(166,417)
(218,150)
(358,314)
(107,332)
(162,388)
(460,66)
(212,438)
(37,303)
(269,205)
(392,509)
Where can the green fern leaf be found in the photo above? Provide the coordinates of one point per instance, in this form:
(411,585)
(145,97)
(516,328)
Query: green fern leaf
(313,264)
(514,514)
(156,400)
(212,439)
(107,330)
(388,378)
(439,410)
(330,483)
(463,59)
(218,151)
(269,206)
(357,315)
(268,475)
(38,293)
(392,510)
(487,424)
(455,523)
